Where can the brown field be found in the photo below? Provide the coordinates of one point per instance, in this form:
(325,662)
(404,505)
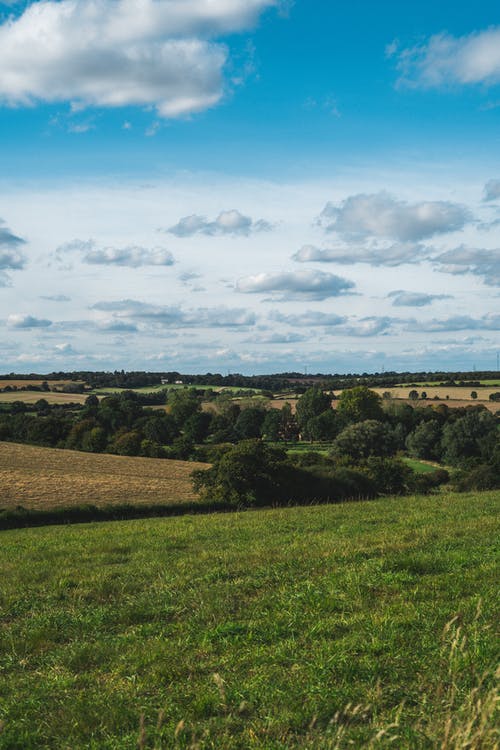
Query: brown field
(45,478)
(23,383)
(455,393)
(52,397)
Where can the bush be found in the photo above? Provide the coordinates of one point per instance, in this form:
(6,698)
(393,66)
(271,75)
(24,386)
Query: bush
(482,477)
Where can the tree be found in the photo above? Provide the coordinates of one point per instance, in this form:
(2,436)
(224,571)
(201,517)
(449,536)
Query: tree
(271,425)
(359,403)
(182,404)
(364,439)
(249,422)
(289,428)
(413,395)
(311,404)
(197,426)
(473,395)
(244,475)
(474,435)
(324,426)
(425,440)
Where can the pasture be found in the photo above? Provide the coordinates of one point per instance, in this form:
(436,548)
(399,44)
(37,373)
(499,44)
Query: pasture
(357,625)
(48,478)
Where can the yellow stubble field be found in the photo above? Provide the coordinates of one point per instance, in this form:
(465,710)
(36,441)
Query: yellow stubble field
(43,478)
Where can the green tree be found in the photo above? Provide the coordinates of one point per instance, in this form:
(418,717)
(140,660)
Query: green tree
(182,404)
(271,425)
(425,440)
(249,422)
(244,475)
(323,427)
(311,404)
(472,436)
(359,403)
(364,439)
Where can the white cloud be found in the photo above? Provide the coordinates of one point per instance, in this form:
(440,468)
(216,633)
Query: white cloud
(306,285)
(393,254)
(489,322)
(11,258)
(163,315)
(445,60)
(401,298)
(113,53)
(227,222)
(132,256)
(381,215)
(309,318)
(492,190)
(479,262)
(27,321)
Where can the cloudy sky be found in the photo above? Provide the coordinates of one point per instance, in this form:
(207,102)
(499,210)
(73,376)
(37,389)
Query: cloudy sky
(249,185)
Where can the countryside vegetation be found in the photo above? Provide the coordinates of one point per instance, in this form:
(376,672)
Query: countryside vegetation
(346,598)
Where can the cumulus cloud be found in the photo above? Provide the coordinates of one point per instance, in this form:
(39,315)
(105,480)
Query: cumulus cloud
(277,338)
(305,285)
(132,256)
(11,257)
(394,254)
(55,297)
(383,216)
(163,315)
(401,298)
(480,262)
(489,322)
(309,318)
(27,321)
(370,326)
(227,222)
(492,190)
(113,53)
(448,60)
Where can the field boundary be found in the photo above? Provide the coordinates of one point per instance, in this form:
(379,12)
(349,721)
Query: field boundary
(20,518)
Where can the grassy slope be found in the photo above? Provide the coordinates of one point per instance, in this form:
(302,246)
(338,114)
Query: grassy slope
(297,612)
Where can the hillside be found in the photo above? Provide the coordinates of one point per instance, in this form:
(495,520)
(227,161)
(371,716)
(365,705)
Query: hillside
(46,478)
(356,625)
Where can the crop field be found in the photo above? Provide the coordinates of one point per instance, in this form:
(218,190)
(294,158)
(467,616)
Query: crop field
(48,478)
(24,383)
(357,625)
(455,393)
(52,397)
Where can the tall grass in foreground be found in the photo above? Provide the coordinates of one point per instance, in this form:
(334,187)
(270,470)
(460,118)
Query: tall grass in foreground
(469,718)
(346,626)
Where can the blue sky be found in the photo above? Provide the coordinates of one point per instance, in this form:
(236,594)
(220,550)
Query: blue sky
(249,185)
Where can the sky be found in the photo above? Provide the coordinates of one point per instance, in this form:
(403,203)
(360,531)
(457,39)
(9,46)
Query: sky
(249,186)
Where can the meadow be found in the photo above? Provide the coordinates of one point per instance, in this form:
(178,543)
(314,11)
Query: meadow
(49,478)
(356,625)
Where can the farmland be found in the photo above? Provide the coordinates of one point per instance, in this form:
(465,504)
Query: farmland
(48,478)
(359,625)
(52,397)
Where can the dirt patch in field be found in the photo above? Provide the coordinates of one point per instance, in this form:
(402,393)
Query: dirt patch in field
(44,478)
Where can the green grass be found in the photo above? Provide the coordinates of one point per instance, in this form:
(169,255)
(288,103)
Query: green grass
(420,467)
(294,628)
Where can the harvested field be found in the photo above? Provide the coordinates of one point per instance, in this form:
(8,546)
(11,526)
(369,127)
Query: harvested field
(454,393)
(52,397)
(45,478)
(24,383)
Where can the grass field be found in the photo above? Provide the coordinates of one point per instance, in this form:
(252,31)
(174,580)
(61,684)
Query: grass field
(421,467)
(47,478)
(359,625)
